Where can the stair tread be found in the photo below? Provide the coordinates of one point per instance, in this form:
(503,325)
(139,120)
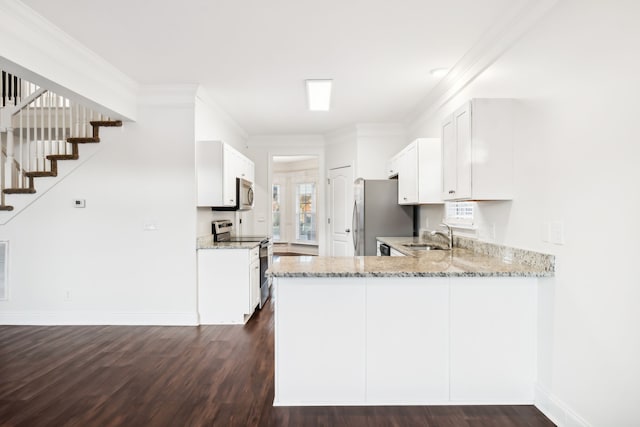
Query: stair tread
(62,157)
(106,123)
(36,174)
(19,190)
(81,140)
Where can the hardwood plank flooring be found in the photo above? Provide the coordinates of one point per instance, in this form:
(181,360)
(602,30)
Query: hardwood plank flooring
(182,376)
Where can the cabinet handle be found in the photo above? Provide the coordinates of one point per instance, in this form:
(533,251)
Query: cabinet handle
(451,192)
(404,198)
(348,230)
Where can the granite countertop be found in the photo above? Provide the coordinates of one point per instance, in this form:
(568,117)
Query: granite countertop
(206,242)
(459,262)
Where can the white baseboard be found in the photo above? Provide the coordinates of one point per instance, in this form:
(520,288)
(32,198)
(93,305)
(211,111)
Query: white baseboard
(556,410)
(51,318)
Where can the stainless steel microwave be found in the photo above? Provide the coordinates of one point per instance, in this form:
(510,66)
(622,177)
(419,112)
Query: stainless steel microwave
(244,197)
(244,194)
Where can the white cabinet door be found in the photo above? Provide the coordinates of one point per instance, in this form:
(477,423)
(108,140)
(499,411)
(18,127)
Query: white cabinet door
(223,286)
(477,151)
(231,169)
(209,171)
(493,339)
(449,161)
(462,125)
(407,341)
(320,356)
(408,175)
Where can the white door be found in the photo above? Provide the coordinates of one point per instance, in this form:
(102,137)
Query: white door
(341,210)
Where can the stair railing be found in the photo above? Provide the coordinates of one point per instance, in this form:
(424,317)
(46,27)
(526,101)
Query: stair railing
(37,123)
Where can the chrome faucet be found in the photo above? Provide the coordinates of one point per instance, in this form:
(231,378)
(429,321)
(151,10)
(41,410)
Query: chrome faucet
(448,235)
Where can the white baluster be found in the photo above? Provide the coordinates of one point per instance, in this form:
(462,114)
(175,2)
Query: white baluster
(8,169)
(42,139)
(21,151)
(77,122)
(49,144)
(56,127)
(28,128)
(84,122)
(64,125)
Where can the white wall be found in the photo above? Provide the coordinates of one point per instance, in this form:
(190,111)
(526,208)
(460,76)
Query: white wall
(575,77)
(342,148)
(376,144)
(366,147)
(116,272)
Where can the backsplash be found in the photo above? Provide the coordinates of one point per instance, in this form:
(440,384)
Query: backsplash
(506,253)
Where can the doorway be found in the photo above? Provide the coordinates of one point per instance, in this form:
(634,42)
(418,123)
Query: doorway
(295,203)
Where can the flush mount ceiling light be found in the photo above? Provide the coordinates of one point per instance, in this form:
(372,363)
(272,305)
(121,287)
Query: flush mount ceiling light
(319,94)
(439,72)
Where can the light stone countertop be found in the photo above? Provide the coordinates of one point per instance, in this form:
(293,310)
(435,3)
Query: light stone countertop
(206,242)
(459,262)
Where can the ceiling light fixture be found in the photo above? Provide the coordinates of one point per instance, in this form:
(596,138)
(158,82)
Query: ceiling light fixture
(319,94)
(439,72)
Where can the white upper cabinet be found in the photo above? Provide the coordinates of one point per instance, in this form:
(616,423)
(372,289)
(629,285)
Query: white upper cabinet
(477,151)
(217,167)
(420,172)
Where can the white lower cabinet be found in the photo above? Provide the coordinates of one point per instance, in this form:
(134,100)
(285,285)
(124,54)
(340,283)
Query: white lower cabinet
(407,341)
(227,280)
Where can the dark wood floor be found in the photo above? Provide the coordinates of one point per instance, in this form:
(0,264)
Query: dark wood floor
(182,376)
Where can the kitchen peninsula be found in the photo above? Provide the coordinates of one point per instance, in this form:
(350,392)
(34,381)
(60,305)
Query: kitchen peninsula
(439,327)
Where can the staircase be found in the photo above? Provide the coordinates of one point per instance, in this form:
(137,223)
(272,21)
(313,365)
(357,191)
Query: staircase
(39,128)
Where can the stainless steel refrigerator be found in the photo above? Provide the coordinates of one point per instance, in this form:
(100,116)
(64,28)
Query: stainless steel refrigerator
(376,213)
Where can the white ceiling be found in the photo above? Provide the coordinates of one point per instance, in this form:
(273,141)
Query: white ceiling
(253,56)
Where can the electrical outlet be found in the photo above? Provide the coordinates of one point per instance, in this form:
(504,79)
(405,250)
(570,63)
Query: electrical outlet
(79,203)
(67,295)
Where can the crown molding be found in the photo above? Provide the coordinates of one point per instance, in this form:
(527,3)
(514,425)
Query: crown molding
(35,49)
(514,23)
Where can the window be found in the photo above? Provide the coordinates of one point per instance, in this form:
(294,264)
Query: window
(459,213)
(306,212)
(276,212)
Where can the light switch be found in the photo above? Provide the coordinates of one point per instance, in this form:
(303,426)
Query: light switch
(556,232)
(150,226)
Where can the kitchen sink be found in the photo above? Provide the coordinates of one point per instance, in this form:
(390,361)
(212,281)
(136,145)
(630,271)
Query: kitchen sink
(423,247)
